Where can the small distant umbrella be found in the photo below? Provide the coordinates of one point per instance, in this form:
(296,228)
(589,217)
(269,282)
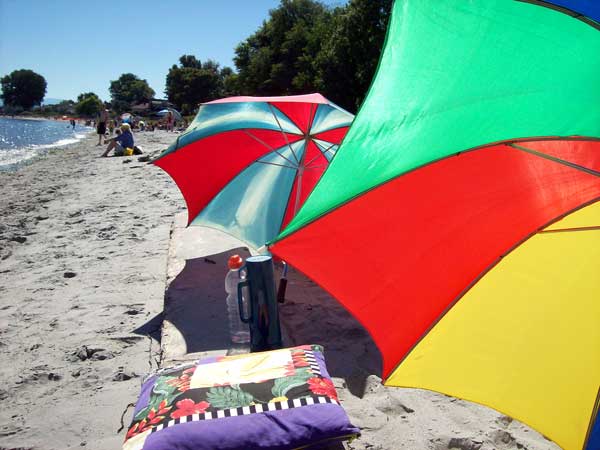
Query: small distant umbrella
(164,112)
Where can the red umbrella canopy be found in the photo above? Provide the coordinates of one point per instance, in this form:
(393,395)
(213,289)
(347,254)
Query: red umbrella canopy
(246,164)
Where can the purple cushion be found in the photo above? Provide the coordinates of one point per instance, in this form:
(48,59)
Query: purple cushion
(282,399)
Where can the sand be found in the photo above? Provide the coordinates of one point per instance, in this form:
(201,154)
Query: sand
(90,259)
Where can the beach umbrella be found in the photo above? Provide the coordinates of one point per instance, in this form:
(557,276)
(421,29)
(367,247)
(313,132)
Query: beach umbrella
(246,164)
(465,205)
(164,112)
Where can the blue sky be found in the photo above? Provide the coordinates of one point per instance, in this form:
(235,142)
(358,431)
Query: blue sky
(81,46)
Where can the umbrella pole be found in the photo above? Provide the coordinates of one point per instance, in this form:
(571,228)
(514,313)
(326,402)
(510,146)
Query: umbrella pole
(299,186)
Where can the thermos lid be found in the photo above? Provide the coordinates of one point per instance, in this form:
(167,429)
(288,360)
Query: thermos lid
(259,258)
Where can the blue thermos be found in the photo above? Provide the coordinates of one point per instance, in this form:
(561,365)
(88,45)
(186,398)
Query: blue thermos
(263,310)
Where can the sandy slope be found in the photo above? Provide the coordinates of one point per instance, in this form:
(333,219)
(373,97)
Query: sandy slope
(83,244)
(83,249)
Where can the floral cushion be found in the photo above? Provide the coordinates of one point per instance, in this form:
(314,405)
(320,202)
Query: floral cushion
(281,399)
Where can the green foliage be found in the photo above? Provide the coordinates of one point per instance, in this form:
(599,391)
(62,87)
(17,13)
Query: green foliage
(278,58)
(194,82)
(88,105)
(348,59)
(283,385)
(23,89)
(129,90)
(305,47)
(228,397)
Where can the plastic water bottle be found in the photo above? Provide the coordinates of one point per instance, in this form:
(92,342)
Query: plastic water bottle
(238,330)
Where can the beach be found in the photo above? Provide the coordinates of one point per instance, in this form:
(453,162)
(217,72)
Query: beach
(85,261)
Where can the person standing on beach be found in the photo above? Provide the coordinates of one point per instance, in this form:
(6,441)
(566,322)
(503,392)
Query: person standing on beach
(170,121)
(101,129)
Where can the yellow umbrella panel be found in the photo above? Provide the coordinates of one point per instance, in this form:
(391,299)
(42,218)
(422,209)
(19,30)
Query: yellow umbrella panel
(526,337)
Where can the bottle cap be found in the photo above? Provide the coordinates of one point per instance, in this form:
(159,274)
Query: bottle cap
(235,262)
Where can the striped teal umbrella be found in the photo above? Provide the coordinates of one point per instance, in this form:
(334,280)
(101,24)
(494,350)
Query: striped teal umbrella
(246,164)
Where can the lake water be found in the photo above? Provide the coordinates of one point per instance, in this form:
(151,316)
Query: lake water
(22,140)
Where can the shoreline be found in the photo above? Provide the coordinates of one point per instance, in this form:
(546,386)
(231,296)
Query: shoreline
(26,155)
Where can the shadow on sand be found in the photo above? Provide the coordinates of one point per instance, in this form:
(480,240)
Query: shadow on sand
(195,306)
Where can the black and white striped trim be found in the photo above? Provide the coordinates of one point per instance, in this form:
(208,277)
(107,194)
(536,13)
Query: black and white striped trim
(314,365)
(246,410)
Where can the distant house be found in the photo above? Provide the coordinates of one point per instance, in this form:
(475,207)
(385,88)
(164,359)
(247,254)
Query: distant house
(151,107)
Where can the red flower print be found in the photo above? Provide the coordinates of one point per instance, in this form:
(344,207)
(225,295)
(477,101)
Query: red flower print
(301,362)
(132,431)
(322,386)
(290,369)
(183,382)
(162,407)
(154,417)
(187,407)
(138,428)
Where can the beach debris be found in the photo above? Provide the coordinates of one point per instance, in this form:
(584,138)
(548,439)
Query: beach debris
(125,161)
(54,376)
(69,274)
(94,353)
(503,437)
(504,421)
(123,375)
(19,239)
(144,158)
(102,355)
(464,444)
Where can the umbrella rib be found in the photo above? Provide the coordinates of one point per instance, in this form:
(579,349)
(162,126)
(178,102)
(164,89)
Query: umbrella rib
(315,158)
(326,150)
(557,160)
(564,230)
(311,118)
(316,167)
(278,165)
(283,132)
(268,146)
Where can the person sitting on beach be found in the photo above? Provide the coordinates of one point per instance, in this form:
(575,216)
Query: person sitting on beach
(123,140)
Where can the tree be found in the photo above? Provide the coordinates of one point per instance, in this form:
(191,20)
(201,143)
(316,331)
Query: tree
(129,90)
(278,58)
(194,82)
(306,47)
(230,82)
(88,104)
(347,61)
(23,88)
